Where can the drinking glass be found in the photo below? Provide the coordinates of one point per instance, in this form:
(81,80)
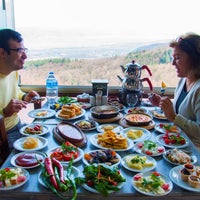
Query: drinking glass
(131,99)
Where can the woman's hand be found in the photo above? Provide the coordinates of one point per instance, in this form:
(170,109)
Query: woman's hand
(167,107)
(154,99)
(30,95)
(14,106)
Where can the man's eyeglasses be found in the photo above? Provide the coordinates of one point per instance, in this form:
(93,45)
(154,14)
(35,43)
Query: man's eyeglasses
(19,50)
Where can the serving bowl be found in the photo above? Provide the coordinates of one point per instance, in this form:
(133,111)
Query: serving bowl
(104,112)
(140,119)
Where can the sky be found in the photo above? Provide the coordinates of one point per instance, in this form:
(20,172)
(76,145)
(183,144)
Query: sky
(140,19)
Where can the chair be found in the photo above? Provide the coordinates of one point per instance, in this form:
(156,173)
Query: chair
(4,147)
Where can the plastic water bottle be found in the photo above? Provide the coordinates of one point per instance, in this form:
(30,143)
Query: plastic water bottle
(51,88)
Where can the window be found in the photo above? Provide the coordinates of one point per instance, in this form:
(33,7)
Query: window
(81,40)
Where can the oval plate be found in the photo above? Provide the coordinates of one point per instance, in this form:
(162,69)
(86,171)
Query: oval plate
(80,155)
(193,158)
(72,118)
(21,153)
(35,113)
(145,133)
(159,139)
(175,176)
(25,173)
(145,169)
(151,192)
(95,124)
(114,127)
(114,165)
(44,131)
(18,144)
(163,130)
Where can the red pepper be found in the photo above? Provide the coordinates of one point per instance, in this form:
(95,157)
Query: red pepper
(60,167)
(49,169)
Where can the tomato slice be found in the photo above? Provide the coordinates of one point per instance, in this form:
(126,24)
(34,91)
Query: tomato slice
(68,156)
(57,155)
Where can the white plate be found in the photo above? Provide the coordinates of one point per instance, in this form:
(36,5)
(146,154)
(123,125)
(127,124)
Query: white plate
(80,154)
(33,113)
(155,151)
(175,176)
(75,173)
(145,169)
(42,142)
(94,139)
(116,128)
(146,134)
(44,131)
(19,154)
(76,117)
(162,130)
(87,129)
(159,139)
(151,193)
(193,158)
(159,112)
(135,110)
(114,165)
(25,173)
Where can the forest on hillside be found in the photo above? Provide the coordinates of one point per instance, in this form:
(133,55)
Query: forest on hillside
(78,72)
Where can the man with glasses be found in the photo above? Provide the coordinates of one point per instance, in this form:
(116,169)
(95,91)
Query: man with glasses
(12,98)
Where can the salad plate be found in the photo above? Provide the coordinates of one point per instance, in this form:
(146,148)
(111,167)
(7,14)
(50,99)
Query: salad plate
(164,184)
(72,118)
(23,172)
(160,139)
(136,134)
(103,156)
(149,147)
(42,113)
(114,127)
(42,143)
(167,127)
(75,173)
(80,154)
(109,176)
(175,176)
(27,160)
(94,142)
(34,129)
(179,157)
(147,163)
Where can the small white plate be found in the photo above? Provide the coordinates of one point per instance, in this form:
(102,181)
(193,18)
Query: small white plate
(116,128)
(87,129)
(32,152)
(25,173)
(159,139)
(158,114)
(34,113)
(145,169)
(94,142)
(144,151)
(42,142)
(94,151)
(146,134)
(163,130)
(80,154)
(76,117)
(152,193)
(44,131)
(75,173)
(135,110)
(193,158)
